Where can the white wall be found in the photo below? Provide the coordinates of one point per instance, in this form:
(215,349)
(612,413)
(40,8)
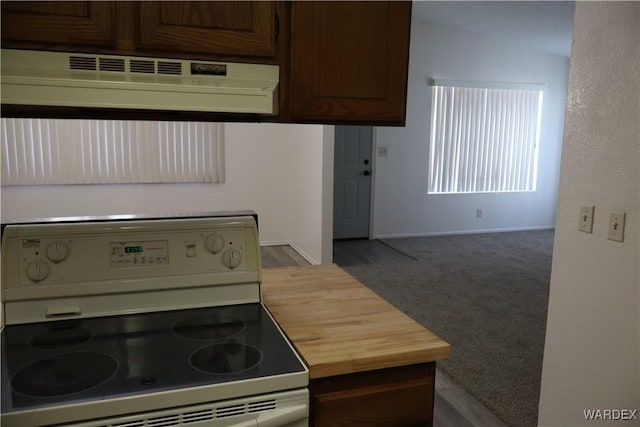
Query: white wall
(270,168)
(402,206)
(311,185)
(591,358)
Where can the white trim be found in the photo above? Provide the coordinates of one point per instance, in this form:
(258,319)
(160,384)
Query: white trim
(460,232)
(488,85)
(372,181)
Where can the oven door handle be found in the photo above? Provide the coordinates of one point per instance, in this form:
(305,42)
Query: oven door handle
(279,417)
(63,311)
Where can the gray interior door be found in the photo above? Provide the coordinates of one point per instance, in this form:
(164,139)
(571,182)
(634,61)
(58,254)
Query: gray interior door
(352,181)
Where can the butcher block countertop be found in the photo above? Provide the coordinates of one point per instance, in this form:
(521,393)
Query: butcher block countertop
(339,326)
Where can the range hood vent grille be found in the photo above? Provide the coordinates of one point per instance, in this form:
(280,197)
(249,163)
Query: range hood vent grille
(82,63)
(120,65)
(169,67)
(139,66)
(110,64)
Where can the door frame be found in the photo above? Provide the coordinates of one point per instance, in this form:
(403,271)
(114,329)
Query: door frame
(374,166)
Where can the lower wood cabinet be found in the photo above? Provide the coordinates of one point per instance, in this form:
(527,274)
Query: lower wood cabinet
(399,397)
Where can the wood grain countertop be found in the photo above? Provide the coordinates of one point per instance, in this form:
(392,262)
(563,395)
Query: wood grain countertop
(339,326)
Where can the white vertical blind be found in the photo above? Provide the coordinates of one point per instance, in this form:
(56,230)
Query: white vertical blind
(39,152)
(484,139)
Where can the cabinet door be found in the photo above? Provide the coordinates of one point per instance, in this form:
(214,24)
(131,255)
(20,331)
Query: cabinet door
(399,397)
(242,28)
(349,61)
(71,23)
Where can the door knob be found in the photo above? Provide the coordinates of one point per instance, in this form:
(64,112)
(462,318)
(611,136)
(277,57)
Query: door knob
(367,173)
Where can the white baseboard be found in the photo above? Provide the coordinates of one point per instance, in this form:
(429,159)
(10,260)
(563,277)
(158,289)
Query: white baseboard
(452,233)
(275,243)
(305,255)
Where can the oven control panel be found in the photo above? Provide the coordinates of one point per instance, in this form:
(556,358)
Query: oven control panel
(95,257)
(69,270)
(118,252)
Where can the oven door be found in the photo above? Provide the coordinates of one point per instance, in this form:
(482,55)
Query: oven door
(285,409)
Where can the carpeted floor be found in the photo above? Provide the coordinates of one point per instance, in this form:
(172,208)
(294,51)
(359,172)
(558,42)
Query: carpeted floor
(485,294)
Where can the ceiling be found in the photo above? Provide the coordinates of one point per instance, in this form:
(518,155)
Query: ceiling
(541,25)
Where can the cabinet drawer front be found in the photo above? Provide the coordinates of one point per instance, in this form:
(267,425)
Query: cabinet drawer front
(405,403)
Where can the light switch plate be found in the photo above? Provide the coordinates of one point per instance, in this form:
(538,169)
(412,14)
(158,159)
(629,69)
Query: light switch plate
(616,226)
(383,151)
(585,221)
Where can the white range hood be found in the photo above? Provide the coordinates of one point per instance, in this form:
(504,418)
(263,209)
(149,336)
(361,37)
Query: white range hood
(129,82)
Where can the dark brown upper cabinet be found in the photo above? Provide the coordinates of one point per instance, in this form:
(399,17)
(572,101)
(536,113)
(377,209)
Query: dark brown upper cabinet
(341,62)
(349,61)
(241,28)
(204,29)
(64,23)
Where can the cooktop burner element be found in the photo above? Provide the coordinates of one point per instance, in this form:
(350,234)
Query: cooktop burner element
(59,337)
(208,326)
(64,374)
(226,358)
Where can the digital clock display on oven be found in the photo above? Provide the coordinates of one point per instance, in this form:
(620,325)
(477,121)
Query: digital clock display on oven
(132,253)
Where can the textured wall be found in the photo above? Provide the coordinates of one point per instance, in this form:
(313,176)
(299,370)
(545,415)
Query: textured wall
(591,358)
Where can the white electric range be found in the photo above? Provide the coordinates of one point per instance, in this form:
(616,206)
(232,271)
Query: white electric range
(143,322)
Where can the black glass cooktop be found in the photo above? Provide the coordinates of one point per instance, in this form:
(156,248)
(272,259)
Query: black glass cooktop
(52,363)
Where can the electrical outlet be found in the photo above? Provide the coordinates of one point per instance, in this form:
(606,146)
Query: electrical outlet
(585,222)
(616,226)
(383,151)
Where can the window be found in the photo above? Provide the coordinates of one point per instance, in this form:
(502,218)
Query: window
(38,152)
(484,139)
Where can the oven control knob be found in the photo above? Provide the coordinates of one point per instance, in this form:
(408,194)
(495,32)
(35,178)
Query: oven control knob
(37,270)
(214,243)
(231,258)
(57,251)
